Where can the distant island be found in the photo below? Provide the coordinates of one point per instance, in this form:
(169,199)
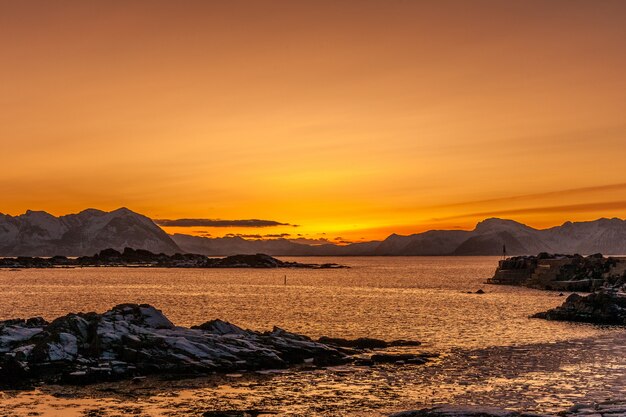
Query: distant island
(37,233)
(130,257)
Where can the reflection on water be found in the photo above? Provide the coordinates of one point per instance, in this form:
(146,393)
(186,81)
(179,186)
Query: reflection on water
(495,355)
(411,298)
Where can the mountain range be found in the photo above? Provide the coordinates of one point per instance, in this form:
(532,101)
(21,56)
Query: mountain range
(37,233)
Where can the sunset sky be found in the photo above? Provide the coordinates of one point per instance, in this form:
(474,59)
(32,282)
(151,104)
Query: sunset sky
(347,119)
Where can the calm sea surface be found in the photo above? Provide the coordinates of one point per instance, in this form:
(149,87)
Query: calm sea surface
(494,354)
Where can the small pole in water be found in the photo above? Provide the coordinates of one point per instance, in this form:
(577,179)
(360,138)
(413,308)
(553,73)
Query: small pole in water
(285,279)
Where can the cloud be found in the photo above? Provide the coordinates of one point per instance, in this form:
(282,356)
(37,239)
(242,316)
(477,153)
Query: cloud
(220,223)
(557,193)
(257,236)
(572,208)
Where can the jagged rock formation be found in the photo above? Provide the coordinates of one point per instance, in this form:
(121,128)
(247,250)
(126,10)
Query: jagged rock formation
(133,339)
(37,233)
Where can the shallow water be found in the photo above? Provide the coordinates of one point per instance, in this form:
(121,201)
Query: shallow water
(494,354)
(404,297)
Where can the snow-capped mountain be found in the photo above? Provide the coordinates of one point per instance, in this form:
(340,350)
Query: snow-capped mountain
(37,233)
(607,236)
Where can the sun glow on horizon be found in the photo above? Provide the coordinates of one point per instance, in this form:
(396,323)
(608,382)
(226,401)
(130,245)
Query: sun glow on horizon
(353,120)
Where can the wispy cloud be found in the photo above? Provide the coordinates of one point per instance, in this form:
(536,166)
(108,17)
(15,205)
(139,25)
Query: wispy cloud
(219,223)
(557,193)
(258,236)
(571,208)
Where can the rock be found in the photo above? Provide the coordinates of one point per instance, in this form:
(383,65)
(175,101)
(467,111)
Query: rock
(463,411)
(360,343)
(402,342)
(560,272)
(412,358)
(480,291)
(237,413)
(219,327)
(145,258)
(615,408)
(365,342)
(131,340)
(602,307)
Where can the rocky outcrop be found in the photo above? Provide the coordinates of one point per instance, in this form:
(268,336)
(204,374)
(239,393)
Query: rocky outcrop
(131,340)
(607,306)
(463,411)
(365,342)
(560,272)
(141,257)
(608,408)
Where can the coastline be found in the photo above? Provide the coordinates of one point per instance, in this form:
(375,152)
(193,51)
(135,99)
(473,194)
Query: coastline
(525,377)
(493,377)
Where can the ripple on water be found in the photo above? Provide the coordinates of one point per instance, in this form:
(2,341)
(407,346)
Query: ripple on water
(495,354)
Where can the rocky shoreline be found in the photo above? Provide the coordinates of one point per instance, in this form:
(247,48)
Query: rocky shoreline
(606,409)
(132,340)
(603,277)
(607,306)
(561,272)
(142,258)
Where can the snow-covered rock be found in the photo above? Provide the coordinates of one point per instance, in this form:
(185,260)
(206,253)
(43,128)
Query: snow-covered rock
(133,339)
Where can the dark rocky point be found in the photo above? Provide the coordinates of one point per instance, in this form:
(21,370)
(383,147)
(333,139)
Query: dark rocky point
(463,411)
(238,413)
(365,342)
(607,306)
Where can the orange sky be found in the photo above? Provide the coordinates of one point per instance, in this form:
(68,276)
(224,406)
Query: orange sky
(350,118)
